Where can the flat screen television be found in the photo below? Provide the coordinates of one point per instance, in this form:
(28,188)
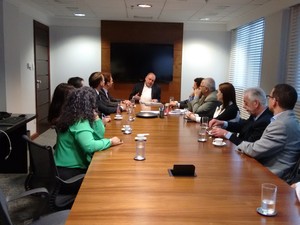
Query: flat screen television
(131,62)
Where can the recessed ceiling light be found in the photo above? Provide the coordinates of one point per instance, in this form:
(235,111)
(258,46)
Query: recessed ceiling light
(204,19)
(144,5)
(79,14)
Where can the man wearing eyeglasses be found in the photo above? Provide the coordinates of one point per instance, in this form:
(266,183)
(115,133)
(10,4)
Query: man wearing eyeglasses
(205,100)
(279,147)
(251,129)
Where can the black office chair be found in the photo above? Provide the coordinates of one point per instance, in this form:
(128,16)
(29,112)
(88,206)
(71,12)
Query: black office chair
(43,173)
(57,218)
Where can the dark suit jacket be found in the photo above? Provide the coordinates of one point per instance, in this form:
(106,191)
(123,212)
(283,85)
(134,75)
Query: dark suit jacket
(107,105)
(229,113)
(138,88)
(249,130)
(109,100)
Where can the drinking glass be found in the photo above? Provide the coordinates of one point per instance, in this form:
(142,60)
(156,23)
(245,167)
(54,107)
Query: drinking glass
(204,122)
(268,199)
(202,134)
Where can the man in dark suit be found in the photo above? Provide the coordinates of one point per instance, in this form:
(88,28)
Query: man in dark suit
(101,82)
(250,129)
(147,91)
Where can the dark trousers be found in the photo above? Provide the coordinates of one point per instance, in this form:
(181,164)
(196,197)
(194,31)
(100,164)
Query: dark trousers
(67,173)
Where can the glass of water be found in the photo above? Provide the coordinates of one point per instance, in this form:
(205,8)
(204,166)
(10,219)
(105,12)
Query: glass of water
(268,199)
(202,134)
(204,122)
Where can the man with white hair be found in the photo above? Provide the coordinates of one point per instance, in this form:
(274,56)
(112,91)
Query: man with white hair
(205,101)
(251,129)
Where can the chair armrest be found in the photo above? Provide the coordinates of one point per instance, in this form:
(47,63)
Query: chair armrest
(28,193)
(72,179)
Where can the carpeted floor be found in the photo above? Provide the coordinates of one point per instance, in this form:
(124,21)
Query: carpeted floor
(22,210)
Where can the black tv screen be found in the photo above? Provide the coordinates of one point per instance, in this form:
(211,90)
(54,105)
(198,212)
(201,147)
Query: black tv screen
(131,62)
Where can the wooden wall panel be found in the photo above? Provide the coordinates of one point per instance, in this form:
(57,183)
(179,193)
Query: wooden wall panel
(143,32)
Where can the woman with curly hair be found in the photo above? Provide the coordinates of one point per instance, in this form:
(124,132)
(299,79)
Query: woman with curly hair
(80,134)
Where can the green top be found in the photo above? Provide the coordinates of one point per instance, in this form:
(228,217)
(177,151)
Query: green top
(75,147)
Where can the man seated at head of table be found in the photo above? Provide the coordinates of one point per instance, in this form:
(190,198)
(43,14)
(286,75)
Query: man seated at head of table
(184,104)
(147,91)
(205,101)
(110,104)
(251,129)
(228,110)
(278,149)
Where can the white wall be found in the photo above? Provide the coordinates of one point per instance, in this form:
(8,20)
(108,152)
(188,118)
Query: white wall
(74,51)
(205,54)
(18,50)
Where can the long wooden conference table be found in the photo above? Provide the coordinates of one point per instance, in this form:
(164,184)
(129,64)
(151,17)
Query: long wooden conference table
(226,189)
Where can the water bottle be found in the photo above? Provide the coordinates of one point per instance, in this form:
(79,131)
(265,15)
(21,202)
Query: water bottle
(140,148)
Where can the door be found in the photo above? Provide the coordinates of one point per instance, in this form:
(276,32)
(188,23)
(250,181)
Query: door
(42,75)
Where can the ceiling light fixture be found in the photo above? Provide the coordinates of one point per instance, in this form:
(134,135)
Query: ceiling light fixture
(144,5)
(204,19)
(79,14)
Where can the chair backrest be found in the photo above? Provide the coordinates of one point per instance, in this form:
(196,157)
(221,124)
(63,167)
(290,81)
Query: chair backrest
(43,171)
(4,216)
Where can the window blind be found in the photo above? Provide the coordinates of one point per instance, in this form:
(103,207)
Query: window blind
(293,53)
(246,59)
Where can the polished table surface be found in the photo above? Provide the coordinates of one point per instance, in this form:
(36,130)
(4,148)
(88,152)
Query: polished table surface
(119,190)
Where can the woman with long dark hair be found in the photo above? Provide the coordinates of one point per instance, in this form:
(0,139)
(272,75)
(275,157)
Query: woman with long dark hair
(229,110)
(59,97)
(80,133)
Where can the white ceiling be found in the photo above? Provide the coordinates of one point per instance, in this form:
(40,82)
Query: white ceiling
(185,11)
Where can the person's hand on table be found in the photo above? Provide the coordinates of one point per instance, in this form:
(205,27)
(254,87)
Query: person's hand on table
(173,103)
(218,132)
(126,102)
(106,119)
(190,115)
(115,141)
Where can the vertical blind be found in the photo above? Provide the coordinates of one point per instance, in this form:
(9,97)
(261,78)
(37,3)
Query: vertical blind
(246,59)
(293,53)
